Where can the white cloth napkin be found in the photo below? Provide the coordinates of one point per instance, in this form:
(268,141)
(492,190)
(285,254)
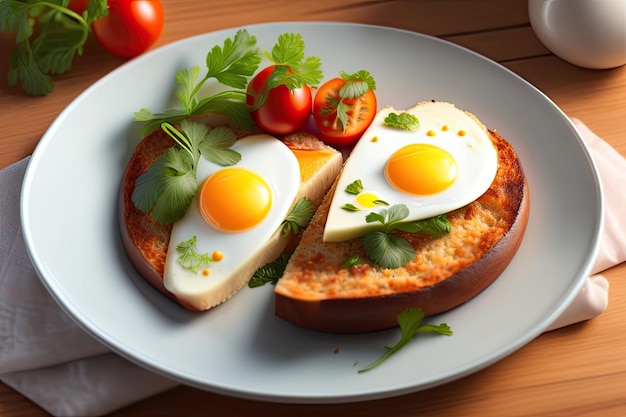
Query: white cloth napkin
(49,359)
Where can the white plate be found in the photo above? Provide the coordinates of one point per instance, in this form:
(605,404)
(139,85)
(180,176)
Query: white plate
(240,348)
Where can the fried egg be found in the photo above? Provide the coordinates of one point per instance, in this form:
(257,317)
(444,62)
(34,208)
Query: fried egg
(236,210)
(447,163)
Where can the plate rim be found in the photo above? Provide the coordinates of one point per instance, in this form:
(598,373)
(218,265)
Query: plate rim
(61,298)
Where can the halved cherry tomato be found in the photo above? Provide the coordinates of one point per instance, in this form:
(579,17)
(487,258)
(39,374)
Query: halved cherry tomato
(130,28)
(283,111)
(358,112)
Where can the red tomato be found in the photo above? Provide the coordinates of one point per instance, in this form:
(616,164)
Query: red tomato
(360,112)
(78,6)
(283,112)
(130,28)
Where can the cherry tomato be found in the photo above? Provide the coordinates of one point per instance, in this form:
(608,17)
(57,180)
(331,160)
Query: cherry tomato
(283,112)
(130,28)
(78,6)
(360,112)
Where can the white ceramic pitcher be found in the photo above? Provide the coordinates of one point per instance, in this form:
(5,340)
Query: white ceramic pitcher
(587,33)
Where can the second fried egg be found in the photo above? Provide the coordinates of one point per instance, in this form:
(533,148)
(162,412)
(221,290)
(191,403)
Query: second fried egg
(447,163)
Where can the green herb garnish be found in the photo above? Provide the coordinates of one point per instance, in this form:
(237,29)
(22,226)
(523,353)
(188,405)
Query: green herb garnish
(351,261)
(269,273)
(391,251)
(169,185)
(291,68)
(61,34)
(190,258)
(405,121)
(356,85)
(350,207)
(298,217)
(354,187)
(410,322)
(230,65)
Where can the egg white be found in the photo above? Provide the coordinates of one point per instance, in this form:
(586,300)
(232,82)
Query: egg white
(474,153)
(268,157)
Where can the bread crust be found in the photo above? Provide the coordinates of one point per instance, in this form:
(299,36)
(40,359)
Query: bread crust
(359,303)
(146,241)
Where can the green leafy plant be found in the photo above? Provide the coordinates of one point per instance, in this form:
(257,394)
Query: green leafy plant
(405,121)
(298,217)
(292,68)
(410,322)
(355,86)
(392,251)
(231,65)
(169,185)
(61,35)
(269,273)
(352,260)
(190,258)
(355,187)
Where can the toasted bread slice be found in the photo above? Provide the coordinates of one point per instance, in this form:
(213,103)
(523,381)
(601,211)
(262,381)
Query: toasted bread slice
(147,242)
(316,292)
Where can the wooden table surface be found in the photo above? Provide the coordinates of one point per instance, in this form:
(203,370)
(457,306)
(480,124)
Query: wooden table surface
(578,370)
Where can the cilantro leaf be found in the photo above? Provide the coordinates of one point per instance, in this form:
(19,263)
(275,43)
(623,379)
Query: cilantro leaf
(351,261)
(296,69)
(269,273)
(61,35)
(177,187)
(185,92)
(291,68)
(387,250)
(405,121)
(436,226)
(410,322)
(237,60)
(24,68)
(349,207)
(189,257)
(298,217)
(392,251)
(15,17)
(230,65)
(148,186)
(216,146)
(355,187)
(169,185)
(356,84)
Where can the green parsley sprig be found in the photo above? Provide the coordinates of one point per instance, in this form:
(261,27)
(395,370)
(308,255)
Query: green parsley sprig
(355,187)
(269,273)
(298,217)
(231,65)
(392,251)
(189,257)
(404,121)
(169,185)
(292,68)
(410,322)
(61,35)
(356,85)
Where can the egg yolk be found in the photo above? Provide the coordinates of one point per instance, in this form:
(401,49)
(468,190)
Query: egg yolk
(421,169)
(367,200)
(234,199)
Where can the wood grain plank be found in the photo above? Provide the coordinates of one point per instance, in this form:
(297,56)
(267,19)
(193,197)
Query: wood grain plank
(433,17)
(503,45)
(594,96)
(579,370)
